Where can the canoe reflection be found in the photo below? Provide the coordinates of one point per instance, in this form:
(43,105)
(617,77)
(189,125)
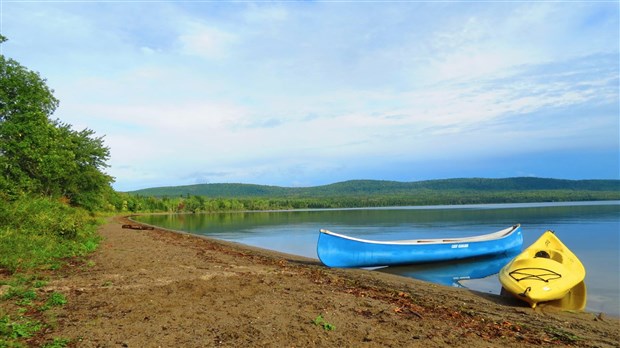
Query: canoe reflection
(450,273)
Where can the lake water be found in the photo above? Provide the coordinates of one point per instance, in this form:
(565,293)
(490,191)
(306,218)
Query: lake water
(590,229)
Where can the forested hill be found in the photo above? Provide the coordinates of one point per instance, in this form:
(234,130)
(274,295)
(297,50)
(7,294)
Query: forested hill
(382,188)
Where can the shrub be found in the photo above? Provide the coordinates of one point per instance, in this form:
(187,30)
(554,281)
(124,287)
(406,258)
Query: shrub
(35,232)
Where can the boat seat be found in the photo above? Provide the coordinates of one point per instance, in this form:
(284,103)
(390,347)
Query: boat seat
(557,257)
(543,254)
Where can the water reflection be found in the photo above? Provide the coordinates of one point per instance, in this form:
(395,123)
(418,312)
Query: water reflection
(453,272)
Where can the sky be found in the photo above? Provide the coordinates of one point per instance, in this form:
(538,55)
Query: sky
(307,93)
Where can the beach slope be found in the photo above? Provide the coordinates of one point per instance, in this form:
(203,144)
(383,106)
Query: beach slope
(158,288)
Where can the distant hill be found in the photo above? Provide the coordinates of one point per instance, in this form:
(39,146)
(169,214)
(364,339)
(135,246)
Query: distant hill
(357,188)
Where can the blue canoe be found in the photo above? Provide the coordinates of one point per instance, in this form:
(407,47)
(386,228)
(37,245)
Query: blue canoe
(337,250)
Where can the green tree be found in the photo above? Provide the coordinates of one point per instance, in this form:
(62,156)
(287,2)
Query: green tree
(42,156)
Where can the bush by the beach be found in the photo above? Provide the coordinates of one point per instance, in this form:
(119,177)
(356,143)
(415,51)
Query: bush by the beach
(41,232)
(51,176)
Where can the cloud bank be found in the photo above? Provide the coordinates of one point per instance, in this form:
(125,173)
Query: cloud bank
(308,93)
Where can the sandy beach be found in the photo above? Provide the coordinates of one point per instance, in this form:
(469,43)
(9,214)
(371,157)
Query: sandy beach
(157,288)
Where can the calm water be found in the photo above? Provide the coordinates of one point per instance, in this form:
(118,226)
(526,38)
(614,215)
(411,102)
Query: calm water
(590,229)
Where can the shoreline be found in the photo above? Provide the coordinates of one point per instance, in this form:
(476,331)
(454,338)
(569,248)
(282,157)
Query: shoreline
(602,287)
(164,288)
(317,262)
(399,207)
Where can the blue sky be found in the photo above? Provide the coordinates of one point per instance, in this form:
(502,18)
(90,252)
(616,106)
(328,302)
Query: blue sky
(295,93)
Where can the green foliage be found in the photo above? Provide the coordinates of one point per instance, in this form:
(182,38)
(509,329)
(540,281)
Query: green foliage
(39,284)
(37,232)
(51,183)
(24,321)
(192,204)
(320,321)
(27,297)
(42,156)
(365,193)
(13,292)
(373,188)
(56,299)
(57,343)
(21,327)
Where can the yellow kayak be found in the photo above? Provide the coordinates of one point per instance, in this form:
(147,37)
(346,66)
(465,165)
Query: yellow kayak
(546,271)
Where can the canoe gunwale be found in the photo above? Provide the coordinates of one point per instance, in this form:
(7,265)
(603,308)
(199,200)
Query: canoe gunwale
(426,241)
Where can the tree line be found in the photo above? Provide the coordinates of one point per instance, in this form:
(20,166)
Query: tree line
(195,203)
(381,187)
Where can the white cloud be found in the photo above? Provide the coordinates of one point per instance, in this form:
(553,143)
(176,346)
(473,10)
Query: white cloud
(205,41)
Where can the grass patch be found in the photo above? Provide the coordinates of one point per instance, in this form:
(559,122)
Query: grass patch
(37,235)
(57,343)
(55,299)
(21,327)
(20,293)
(27,297)
(320,321)
(562,335)
(39,284)
(22,320)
